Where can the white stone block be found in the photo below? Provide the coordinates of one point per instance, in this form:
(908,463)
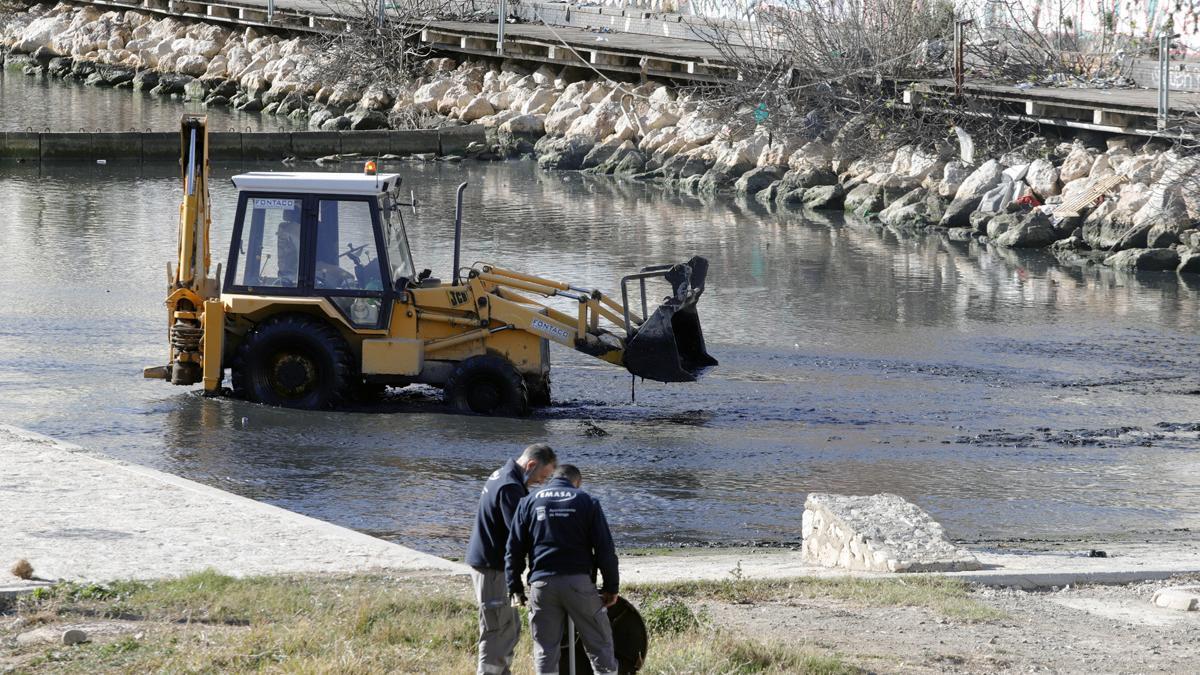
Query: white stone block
(881,533)
(1182,598)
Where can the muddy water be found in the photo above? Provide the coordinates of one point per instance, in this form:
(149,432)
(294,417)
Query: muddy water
(1012,397)
(47,104)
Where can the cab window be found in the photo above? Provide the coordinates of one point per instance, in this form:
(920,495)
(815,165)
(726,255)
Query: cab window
(399,254)
(347,258)
(269,251)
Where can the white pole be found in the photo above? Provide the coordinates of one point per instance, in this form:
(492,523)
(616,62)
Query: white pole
(501,15)
(571,645)
(1164,79)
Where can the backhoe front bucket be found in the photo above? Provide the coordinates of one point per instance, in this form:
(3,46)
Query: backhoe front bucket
(669,346)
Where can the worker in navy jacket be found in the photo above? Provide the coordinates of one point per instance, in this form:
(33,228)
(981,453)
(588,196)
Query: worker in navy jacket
(499,622)
(562,531)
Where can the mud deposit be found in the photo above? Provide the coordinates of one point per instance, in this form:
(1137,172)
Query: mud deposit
(1013,398)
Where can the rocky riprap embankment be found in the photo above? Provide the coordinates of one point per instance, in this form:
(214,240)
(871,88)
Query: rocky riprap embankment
(572,119)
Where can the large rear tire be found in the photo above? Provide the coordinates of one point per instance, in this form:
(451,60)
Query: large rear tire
(539,390)
(294,361)
(487,385)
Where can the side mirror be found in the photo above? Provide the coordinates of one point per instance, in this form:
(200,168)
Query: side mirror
(425,274)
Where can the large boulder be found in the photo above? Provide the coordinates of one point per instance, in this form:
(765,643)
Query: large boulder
(426,97)
(812,155)
(539,102)
(624,159)
(685,165)
(601,153)
(170,84)
(364,119)
(476,109)
(824,197)
(739,157)
(865,200)
(291,103)
(114,75)
(999,224)
(1042,177)
(953,175)
(755,180)
(598,123)
(566,153)
(1077,165)
(1164,234)
(376,98)
(916,209)
(1033,231)
(969,194)
(1189,262)
(1144,259)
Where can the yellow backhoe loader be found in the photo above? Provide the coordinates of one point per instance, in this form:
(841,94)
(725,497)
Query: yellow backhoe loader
(321,304)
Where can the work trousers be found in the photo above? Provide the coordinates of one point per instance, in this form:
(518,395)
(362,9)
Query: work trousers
(499,622)
(551,601)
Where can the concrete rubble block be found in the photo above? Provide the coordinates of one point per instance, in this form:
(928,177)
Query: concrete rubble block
(224,146)
(1181,598)
(312,144)
(160,146)
(454,140)
(877,533)
(118,145)
(414,141)
(366,143)
(24,145)
(266,146)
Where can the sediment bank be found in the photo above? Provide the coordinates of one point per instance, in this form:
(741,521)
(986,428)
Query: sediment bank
(1089,199)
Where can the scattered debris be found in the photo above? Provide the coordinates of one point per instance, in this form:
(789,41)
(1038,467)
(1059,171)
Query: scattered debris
(22,569)
(592,430)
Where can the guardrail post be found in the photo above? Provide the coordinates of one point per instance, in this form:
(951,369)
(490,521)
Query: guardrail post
(270,11)
(501,16)
(1164,80)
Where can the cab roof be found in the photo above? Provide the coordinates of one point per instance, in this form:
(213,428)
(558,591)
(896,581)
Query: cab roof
(316,182)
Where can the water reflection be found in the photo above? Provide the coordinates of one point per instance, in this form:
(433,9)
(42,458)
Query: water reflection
(854,359)
(47,104)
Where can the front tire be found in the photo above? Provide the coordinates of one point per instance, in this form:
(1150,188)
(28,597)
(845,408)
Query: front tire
(294,361)
(487,385)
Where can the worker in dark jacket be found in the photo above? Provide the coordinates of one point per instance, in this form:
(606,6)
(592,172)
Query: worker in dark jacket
(563,532)
(499,622)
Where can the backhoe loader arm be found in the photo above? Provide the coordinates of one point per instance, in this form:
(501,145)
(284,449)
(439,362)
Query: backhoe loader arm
(195,316)
(667,347)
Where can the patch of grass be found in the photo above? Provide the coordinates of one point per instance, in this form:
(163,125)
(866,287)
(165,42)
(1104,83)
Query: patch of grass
(947,597)
(213,623)
(667,615)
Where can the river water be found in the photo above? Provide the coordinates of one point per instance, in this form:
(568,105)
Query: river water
(1011,397)
(46,104)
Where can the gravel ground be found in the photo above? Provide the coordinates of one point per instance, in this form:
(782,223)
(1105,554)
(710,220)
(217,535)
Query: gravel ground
(1102,629)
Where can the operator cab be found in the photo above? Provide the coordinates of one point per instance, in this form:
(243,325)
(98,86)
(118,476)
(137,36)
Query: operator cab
(309,234)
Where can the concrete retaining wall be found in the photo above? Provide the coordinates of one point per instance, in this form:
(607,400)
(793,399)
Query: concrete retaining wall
(234,146)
